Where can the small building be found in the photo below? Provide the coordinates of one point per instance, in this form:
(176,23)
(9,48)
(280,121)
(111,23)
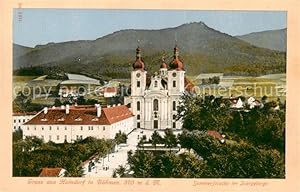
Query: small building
(20,118)
(70,123)
(77,85)
(110,92)
(52,172)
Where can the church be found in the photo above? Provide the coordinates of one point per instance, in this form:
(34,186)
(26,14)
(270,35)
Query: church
(154,99)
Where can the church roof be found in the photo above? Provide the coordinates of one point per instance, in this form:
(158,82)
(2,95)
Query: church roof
(139,63)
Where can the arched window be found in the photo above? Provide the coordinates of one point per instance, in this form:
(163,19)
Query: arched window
(138,106)
(138,117)
(174,105)
(155,105)
(155,83)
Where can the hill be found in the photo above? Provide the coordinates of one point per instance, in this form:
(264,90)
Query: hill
(202,49)
(273,39)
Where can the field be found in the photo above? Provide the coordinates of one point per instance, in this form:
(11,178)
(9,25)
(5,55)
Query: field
(273,86)
(19,83)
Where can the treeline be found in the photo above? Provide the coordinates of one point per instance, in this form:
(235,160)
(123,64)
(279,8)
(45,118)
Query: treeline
(254,144)
(32,154)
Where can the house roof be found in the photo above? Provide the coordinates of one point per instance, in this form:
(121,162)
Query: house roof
(215,134)
(81,116)
(50,172)
(110,89)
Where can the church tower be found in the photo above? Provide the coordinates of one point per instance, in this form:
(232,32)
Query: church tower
(138,75)
(176,75)
(163,68)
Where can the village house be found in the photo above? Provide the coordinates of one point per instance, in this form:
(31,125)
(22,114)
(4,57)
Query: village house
(52,172)
(70,123)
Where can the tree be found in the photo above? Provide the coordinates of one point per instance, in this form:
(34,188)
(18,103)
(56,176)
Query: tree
(156,138)
(170,139)
(120,137)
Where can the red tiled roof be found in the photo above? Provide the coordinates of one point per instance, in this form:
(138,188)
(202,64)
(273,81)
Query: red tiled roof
(215,134)
(81,116)
(110,89)
(189,86)
(50,172)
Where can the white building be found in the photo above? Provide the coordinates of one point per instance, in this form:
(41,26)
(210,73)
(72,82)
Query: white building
(69,123)
(154,100)
(20,118)
(110,92)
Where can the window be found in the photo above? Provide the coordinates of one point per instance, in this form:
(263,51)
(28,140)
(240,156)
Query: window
(174,117)
(155,124)
(57,137)
(43,137)
(138,83)
(23,120)
(49,137)
(35,128)
(28,128)
(92,128)
(42,128)
(174,105)
(77,137)
(155,105)
(66,137)
(138,125)
(174,125)
(138,106)
(14,121)
(50,128)
(155,83)
(65,127)
(81,128)
(103,128)
(80,136)
(19,120)
(57,128)
(174,83)
(14,127)
(138,117)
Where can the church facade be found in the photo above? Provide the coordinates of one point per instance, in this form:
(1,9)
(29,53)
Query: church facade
(154,99)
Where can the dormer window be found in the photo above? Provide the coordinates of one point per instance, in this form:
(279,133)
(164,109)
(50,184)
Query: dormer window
(95,119)
(61,119)
(44,119)
(78,119)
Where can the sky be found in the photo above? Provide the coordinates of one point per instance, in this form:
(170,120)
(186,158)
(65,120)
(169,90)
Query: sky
(33,27)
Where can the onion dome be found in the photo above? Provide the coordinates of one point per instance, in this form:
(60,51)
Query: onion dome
(163,64)
(138,64)
(176,63)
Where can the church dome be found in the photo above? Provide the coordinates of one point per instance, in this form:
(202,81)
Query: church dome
(139,63)
(163,64)
(176,63)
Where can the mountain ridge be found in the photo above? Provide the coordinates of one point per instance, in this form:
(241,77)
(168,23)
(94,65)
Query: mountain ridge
(202,48)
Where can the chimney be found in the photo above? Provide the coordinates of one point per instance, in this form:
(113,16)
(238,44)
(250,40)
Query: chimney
(108,106)
(45,110)
(98,108)
(62,107)
(114,105)
(119,104)
(67,109)
(53,107)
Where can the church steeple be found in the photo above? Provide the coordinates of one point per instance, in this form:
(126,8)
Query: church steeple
(176,63)
(139,63)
